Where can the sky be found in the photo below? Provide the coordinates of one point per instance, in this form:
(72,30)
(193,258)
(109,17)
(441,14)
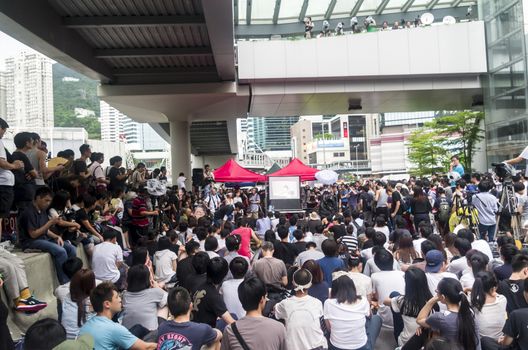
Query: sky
(10,47)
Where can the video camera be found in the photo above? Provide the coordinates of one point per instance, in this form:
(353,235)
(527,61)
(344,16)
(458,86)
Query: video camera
(504,170)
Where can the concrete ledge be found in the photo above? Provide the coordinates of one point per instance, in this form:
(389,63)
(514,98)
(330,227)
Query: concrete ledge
(42,280)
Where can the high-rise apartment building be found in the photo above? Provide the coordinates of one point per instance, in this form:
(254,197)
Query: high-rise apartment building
(115,127)
(29,91)
(3,95)
(270,133)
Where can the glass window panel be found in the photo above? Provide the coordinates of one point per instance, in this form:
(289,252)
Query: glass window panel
(289,11)
(369,6)
(506,50)
(395,4)
(317,9)
(343,8)
(418,5)
(262,11)
(242,6)
(508,78)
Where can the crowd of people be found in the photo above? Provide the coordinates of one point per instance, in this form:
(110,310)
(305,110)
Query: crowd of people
(208,266)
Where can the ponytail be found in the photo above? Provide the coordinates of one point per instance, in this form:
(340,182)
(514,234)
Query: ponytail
(452,290)
(467,335)
(484,283)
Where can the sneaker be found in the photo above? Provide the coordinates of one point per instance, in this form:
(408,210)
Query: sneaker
(30,305)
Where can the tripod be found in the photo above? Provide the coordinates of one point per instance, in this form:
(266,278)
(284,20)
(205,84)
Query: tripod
(508,203)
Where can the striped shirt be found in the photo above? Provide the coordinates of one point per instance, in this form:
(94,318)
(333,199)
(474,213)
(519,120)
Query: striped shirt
(351,242)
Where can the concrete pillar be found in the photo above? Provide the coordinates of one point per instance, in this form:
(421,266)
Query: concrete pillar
(180,138)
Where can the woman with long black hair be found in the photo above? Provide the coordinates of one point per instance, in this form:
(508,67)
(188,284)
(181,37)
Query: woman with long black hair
(409,305)
(489,307)
(457,323)
(477,262)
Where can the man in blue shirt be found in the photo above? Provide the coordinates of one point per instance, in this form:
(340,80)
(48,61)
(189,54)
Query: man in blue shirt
(330,262)
(456,167)
(107,334)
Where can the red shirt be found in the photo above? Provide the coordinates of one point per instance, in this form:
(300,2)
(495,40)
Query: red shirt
(139,205)
(245,244)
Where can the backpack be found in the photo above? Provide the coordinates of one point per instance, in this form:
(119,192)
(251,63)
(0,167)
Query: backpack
(359,229)
(444,210)
(404,205)
(92,180)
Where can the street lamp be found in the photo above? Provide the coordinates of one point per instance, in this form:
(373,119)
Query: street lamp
(357,165)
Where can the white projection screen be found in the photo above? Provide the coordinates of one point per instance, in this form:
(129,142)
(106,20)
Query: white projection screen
(285,193)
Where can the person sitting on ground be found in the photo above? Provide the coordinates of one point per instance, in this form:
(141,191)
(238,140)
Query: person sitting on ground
(238,267)
(516,327)
(345,315)
(198,276)
(362,282)
(507,252)
(385,282)
(208,304)
(269,269)
(107,261)
(192,335)
(233,245)
(300,244)
(478,244)
(311,253)
(45,334)
(165,261)
(75,305)
(247,235)
(435,270)
(330,262)
(211,246)
(459,266)
(107,334)
(513,287)
(477,262)
(143,303)
(319,289)
(283,249)
(302,314)
(380,241)
(252,295)
(82,217)
(35,232)
(16,284)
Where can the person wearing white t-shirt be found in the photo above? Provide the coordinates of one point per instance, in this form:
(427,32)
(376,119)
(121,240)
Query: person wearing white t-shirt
(386,282)
(478,244)
(435,271)
(489,307)
(520,158)
(229,289)
(302,314)
(362,282)
(348,318)
(181,181)
(165,261)
(460,266)
(108,258)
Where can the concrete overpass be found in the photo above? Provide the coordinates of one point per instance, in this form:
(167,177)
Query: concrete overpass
(172,63)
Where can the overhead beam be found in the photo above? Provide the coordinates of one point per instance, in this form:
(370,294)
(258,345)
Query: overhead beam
(455,3)
(248,11)
(431,4)
(152,52)
(219,21)
(330,9)
(304,8)
(381,7)
(276,11)
(131,21)
(39,26)
(356,8)
(407,5)
(163,70)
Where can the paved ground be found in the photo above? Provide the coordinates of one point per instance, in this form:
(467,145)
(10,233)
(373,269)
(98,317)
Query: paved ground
(386,340)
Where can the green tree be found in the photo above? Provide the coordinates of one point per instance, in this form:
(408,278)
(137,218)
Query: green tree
(426,152)
(431,146)
(461,133)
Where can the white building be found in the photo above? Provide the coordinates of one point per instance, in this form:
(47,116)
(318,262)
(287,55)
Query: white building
(111,123)
(29,83)
(3,95)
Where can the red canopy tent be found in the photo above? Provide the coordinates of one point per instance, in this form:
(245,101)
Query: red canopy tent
(232,172)
(297,168)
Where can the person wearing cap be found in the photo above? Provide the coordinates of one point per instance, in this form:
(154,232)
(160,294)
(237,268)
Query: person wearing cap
(435,269)
(302,314)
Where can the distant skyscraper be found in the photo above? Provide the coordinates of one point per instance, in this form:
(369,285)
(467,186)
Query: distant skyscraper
(29,87)
(3,95)
(115,127)
(270,133)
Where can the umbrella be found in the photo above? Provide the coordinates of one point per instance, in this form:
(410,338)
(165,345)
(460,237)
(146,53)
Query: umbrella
(326,177)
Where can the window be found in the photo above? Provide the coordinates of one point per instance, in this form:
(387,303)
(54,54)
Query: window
(339,154)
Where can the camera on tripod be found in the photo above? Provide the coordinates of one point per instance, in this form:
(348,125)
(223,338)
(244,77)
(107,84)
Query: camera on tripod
(504,171)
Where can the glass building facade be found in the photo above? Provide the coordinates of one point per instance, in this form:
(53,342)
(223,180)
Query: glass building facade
(271,133)
(505,84)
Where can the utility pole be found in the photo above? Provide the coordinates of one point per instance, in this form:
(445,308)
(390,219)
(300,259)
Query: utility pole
(357,165)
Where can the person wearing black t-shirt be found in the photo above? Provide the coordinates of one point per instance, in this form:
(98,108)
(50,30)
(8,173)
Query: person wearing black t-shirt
(284,250)
(117,178)
(516,327)
(185,267)
(513,287)
(24,188)
(207,302)
(197,276)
